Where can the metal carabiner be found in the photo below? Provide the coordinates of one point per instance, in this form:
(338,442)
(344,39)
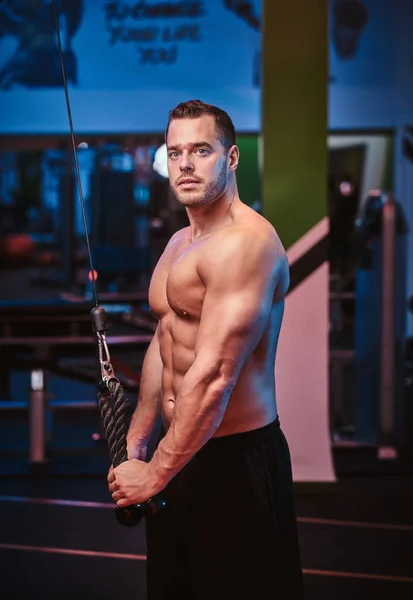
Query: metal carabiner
(106,370)
(100,326)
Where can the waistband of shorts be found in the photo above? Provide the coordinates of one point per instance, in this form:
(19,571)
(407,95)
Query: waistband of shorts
(253,436)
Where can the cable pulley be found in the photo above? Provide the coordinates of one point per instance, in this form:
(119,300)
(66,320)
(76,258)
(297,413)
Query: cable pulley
(112,403)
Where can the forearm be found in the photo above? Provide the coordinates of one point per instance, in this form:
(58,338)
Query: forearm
(148,407)
(199,410)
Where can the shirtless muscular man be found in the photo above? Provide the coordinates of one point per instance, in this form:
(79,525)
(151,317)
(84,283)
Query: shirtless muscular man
(222,463)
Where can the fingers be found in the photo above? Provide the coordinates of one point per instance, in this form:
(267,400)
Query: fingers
(123,502)
(117,495)
(113,487)
(114,490)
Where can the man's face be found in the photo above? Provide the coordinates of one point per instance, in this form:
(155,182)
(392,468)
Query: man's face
(197,161)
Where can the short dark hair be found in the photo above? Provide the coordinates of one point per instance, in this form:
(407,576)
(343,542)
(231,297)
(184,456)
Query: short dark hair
(196,108)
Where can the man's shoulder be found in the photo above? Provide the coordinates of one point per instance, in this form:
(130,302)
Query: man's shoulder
(172,249)
(256,248)
(255,234)
(242,249)
(179,236)
(177,239)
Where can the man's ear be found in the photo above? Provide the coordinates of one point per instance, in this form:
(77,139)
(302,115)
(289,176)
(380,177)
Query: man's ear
(233,154)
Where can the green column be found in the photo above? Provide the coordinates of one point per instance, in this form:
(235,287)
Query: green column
(294,115)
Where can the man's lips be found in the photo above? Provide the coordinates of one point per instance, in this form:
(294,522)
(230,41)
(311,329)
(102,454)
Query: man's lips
(188,180)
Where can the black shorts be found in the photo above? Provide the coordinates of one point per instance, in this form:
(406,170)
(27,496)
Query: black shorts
(229,530)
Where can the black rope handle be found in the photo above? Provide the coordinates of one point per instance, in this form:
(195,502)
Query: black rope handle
(112,406)
(107,419)
(119,414)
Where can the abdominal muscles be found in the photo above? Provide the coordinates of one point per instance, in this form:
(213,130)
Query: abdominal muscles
(252,401)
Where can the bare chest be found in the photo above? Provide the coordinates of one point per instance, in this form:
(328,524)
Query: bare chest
(177,286)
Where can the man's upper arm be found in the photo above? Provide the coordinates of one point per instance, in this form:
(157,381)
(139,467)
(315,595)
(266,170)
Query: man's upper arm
(240,280)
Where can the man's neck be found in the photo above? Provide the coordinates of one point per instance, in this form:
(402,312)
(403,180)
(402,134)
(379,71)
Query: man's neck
(210,217)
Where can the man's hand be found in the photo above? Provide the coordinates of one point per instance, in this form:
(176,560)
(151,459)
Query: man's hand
(132,482)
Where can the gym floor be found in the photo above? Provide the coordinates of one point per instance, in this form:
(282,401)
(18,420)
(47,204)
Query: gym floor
(59,538)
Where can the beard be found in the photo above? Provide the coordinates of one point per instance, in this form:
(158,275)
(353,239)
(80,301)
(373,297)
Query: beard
(206,193)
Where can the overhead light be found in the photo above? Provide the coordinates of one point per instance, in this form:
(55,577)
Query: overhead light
(160,162)
(346,188)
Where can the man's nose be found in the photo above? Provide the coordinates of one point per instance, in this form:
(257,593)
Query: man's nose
(186,163)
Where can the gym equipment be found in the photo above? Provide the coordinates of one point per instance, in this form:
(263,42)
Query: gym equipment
(111,399)
(380,324)
(112,405)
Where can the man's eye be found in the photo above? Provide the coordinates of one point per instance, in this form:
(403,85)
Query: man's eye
(173,154)
(202,151)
